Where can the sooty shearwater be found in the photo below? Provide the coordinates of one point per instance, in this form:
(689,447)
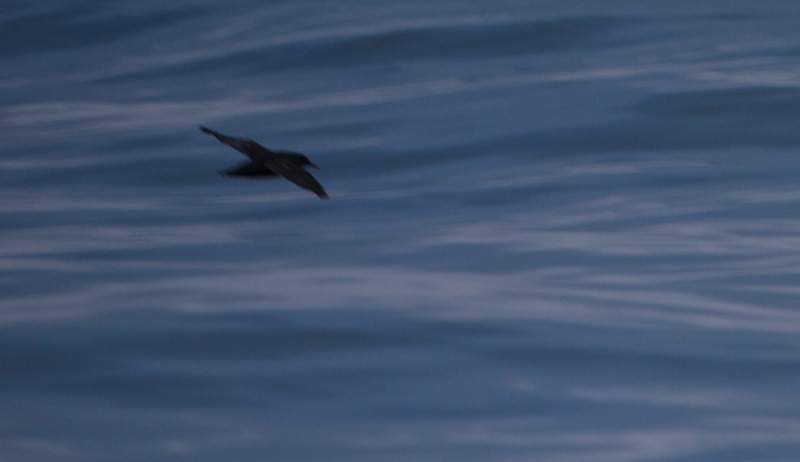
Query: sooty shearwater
(265,163)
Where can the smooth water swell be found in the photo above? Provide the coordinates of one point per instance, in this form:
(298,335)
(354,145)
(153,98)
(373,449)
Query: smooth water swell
(556,232)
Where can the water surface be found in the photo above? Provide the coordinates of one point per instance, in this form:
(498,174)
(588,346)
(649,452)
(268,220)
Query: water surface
(565,231)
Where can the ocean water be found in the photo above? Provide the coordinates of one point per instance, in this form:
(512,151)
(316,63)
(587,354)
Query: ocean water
(558,230)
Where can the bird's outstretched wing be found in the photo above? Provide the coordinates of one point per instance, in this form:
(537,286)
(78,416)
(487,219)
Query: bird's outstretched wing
(249,169)
(298,176)
(246,146)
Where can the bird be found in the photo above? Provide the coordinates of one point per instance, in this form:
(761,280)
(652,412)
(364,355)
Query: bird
(266,163)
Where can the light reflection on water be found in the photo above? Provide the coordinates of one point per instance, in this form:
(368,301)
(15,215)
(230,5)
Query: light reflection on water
(551,235)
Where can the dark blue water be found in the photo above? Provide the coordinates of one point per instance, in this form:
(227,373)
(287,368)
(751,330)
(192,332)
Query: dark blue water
(557,231)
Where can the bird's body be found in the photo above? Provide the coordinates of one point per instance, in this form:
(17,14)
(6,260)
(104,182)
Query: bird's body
(265,163)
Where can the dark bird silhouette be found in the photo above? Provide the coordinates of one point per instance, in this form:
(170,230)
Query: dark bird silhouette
(266,163)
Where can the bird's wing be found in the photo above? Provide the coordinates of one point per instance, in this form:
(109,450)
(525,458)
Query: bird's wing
(248,169)
(246,146)
(223,138)
(298,176)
